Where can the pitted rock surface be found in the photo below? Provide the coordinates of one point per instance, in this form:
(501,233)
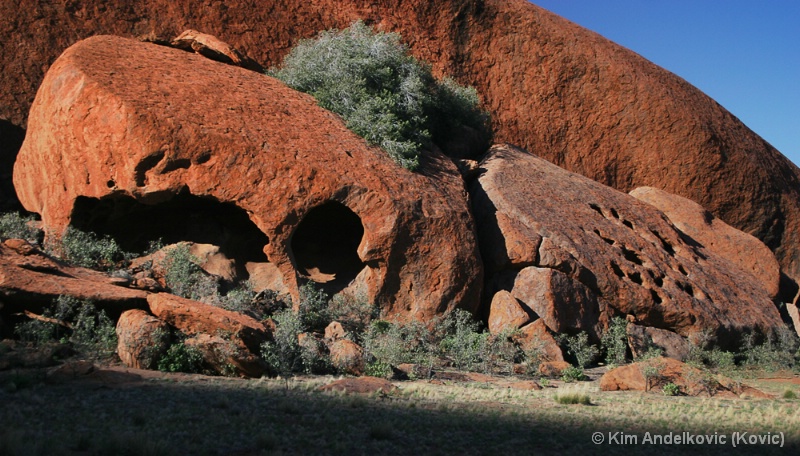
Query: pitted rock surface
(120,125)
(622,256)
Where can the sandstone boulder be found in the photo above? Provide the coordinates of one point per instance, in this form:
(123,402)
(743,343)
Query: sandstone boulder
(642,338)
(208,257)
(347,356)
(121,148)
(580,100)
(537,340)
(506,313)
(193,318)
(141,339)
(603,253)
(738,247)
(214,48)
(31,280)
(334,331)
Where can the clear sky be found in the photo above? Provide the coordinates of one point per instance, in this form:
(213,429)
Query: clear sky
(743,53)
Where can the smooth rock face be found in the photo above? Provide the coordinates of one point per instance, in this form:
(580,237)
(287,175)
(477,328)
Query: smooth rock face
(604,253)
(738,247)
(110,141)
(506,313)
(538,338)
(580,100)
(141,339)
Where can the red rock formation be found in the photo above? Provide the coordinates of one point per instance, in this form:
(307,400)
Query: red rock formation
(121,126)
(740,248)
(30,280)
(141,339)
(568,94)
(603,253)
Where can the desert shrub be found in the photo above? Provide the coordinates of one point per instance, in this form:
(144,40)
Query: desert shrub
(180,357)
(377,368)
(16,226)
(87,249)
(72,321)
(388,344)
(572,398)
(789,394)
(573,374)
(313,308)
(499,353)
(354,312)
(383,93)
(615,342)
(463,342)
(775,353)
(671,389)
(578,346)
(652,370)
(283,354)
(184,276)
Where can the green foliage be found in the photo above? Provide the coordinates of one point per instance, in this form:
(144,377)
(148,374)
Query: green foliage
(354,312)
(573,398)
(313,307)
(499,353)
(184,276)
(775,353)
(463,342)
(87,249)
(392,344)
(789,394)
(615,342)
(573,374)
(16,226)
(378,368)
(90,330)
(181,358)
(652,370)
(383,93)
(671,389)
(578,346)
(283,354)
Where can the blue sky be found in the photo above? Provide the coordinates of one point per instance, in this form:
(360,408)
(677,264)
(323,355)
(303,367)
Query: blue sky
(744,54)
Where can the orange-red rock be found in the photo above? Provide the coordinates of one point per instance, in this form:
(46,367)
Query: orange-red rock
(506,313)
(738,247)
(574,97)
(141,339)
(192,318)
(606,253)
(347,356)
(214,48)
(643,338)
(109,134)
(536,339)
(32,280)
(227,356)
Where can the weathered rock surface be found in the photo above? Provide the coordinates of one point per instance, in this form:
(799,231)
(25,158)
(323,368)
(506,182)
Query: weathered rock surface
(535,338)
(642,338)
(738,247)
(227,356)
(208,257)
(690,380)
(583,102)
(603,253)
(506,313)
(347,356)
(214,48)
(193,318)
(141,339)
(109,142)
(31,280)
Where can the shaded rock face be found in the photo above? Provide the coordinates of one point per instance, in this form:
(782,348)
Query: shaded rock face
(110,141)
(740,248)
(141,339)
(599,253)
(579,100)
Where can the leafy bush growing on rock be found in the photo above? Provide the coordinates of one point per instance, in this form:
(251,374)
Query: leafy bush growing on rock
(184,277)
(87,249)
(383,93)
(615,342)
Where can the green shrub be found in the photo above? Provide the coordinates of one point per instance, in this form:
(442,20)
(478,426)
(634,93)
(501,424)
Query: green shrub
(578,346)
(463,343)
(572,397)
(283,354)
(671,389)
(573,374)
(87,249)
(775,353)
(181,358)
(383,93)
(184,276)
(354,312)
(87,329)
(499,353)
(16,226)
(789,394)
(378,369)
(615,342)
(313,308)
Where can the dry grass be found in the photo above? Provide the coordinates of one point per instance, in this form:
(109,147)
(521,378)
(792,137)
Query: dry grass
(171,414)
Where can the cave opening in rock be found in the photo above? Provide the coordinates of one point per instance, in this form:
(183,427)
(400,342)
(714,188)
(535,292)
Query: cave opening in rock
(184,217)
(325,246)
